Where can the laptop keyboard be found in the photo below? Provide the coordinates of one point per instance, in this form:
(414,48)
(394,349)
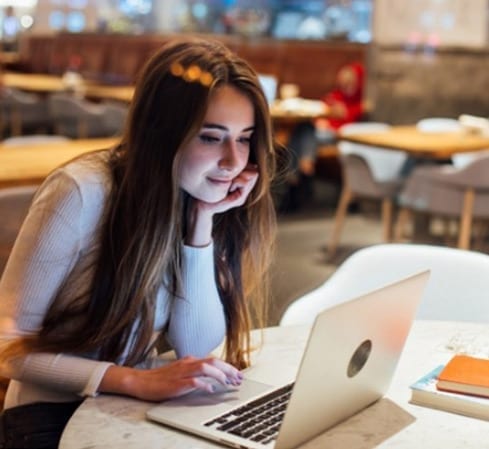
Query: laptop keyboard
(258,420)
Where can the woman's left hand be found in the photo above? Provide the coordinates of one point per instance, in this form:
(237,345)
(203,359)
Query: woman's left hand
(201,212)
(238,192)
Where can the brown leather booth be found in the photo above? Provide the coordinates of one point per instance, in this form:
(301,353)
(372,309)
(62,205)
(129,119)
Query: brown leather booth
(117,58)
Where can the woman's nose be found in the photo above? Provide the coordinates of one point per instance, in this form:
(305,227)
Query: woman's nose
(229,159)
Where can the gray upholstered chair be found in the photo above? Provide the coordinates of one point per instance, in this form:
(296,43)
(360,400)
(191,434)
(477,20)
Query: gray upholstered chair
(14,204)
(22,111)
(115,117)
(368,172)
(79,118)
(447,191)
(457,289)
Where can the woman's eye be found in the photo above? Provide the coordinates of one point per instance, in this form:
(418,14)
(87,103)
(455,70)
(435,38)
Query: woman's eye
(245,140)
(208,139)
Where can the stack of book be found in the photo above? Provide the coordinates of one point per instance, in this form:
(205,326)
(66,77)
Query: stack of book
(461,386)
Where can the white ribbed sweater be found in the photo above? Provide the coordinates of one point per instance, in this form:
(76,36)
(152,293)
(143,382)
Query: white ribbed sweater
(56,243)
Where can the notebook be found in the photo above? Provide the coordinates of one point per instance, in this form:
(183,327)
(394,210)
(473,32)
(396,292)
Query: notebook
(348,363)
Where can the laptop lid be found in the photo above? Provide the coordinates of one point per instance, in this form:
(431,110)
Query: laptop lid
(349,360)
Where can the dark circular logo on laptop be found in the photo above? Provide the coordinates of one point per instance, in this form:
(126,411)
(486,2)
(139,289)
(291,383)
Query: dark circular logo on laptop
(359,358)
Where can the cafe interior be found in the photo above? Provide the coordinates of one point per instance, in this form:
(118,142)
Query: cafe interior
(402,188)
(69,69)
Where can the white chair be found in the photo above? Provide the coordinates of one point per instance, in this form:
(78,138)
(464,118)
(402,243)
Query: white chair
(368,172)
(14,204)
(457,289)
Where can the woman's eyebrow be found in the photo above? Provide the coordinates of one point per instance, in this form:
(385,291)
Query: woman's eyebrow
(224,128)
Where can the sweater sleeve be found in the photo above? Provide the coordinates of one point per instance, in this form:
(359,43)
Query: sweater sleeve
(197,324)
(45,252)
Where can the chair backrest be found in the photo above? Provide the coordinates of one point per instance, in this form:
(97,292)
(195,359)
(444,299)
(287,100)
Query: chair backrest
(11,96)
(115,117)
(65,104)
(438,124)
(14,204)
(33,139)
(385,164)
(461,160)
(76,117)
(441,189)
(458,288)
(24,109)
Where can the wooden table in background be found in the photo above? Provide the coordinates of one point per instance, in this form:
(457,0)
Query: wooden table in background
(431,145)
(33,82)
(45,84)
(106,92)
(31,163)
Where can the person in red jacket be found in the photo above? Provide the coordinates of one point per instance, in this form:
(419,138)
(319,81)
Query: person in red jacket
(345,102)
(344,105)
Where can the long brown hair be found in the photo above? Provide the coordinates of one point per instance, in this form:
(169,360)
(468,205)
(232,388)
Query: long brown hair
(144,225)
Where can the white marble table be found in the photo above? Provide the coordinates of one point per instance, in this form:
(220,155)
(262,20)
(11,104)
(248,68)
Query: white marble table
(117,422)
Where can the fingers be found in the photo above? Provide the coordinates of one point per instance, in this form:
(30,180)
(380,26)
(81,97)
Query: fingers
(216,369)
(245,180)
(238,192)
(184,376)
(241,187)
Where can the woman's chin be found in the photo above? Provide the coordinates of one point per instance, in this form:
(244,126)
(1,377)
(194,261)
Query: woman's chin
(211,197)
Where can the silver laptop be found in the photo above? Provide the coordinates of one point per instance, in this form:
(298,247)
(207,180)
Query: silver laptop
(348,363)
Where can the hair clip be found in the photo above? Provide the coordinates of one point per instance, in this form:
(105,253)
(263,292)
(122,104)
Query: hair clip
(191,74)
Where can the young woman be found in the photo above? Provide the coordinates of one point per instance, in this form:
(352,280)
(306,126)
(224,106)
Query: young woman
(170,232)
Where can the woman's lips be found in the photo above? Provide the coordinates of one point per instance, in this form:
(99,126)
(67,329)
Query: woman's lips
(221,182)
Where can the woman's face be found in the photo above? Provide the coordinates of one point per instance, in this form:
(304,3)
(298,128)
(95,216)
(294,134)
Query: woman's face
(220,150)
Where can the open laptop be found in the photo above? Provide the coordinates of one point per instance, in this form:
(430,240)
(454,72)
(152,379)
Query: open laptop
(348,363)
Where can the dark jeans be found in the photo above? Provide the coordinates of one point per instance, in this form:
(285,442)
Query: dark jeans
(35,426)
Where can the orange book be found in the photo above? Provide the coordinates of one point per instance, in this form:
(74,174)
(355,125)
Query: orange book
(465,374)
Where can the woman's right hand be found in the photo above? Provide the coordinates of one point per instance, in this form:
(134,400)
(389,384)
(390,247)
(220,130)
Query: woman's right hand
(169,381)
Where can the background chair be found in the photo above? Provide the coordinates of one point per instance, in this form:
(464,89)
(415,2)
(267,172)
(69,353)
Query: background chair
(14,204)
(461,160)
(431,125)
(447,191)
(33,139)
(471,124)
(368,172)
(23,111)
(79,118)
(115,117)
(457,289)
